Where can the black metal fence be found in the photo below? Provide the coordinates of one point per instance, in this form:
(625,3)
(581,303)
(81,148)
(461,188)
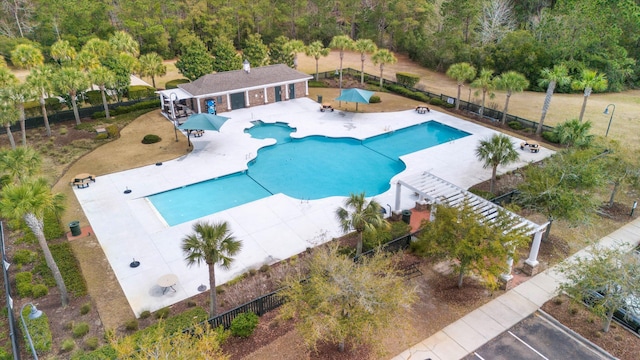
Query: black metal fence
(271,301)
(7,293)
(488,113)
(505,198)
(66,115)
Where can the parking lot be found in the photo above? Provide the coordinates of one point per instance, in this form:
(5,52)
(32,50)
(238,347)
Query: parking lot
(536,338)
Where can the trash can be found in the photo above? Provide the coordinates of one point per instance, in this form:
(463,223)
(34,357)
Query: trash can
(319,99)
(406,216)
(75,228)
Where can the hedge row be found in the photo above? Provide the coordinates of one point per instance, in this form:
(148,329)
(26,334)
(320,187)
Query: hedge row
(149,104)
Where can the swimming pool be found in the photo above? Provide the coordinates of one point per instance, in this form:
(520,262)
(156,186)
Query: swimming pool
(310,168)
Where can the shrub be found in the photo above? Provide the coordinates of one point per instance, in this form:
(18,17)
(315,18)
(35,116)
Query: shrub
(53,104)
(436,102)
(162,313)
(244,324)
(23,283)
(252,272)
(80,329)
(102,136)
(39,290)
(131,325)
(151,139)
(68,345)
(4,354)
(174,83)
(94,97)
(264,268)
(85,308)
(23,257)
(91,343)
(113,131)
(515,125)
(145,314)
(39,331)
(191,303)
(317,84)
(375,99)
(550,136)
(137,92)
(63,130)
(407,79)
(69,267)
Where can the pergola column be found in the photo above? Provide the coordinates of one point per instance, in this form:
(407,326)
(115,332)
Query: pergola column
(531,264)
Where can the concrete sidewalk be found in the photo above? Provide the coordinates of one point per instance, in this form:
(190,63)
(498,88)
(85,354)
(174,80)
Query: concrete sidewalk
(490,320)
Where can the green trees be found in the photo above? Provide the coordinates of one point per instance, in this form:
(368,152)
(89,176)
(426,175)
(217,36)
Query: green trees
(151,65)
(280,51)
(470,242)
(383,57)
(8,112)
(256,51)
(486,84)
(316,50)
(123,42)
(195,61)
(461,72)
(225,57)
(360,215)
(26,56)
(612,272)
(70,80)
(212,244)
(63,52)
(574,133)
(294,47)
(28,198)
(496,151)
(18,94)
(510,82)
(342,301)
(590,80)
(559,75)
(364,46)
(341,43)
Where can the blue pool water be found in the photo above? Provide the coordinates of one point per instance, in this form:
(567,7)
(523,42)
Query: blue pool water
(311,168)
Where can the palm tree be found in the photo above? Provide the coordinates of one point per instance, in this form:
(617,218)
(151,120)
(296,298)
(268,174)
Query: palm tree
(18,94)
(498,150)
(104,78)
(486,83)
(511,82)
(26,56)
(574,132)
(151,65)
(40,80)
(63,52)
(294,47)
(461,72)
(8,112)
(71,80)
(99,48)
(29,201)
(590,80)
(559,75)
(316,50)
(364,46)
(20,164)
(360,216)
(212,244)
(122,42)
(383,57)
(342,43)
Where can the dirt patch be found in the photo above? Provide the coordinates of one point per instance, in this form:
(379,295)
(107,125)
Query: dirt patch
(619,341)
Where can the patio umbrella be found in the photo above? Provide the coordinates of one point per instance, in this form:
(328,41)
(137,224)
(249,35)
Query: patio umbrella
(202,121)
(355,95)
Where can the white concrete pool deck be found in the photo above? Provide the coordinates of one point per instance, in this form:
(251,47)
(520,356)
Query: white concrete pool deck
(271,229)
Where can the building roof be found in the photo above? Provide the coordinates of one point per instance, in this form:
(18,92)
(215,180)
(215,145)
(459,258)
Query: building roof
(240,80)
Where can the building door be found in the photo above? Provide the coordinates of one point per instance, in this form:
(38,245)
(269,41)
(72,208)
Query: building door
(278,90)
(237,101)
(292,91)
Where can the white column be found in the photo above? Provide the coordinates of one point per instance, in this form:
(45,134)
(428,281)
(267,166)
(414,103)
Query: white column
(506,277)
(199,105)
(306,88)
(228,102)
(432,213)
(535,247)
(398,195)
(266,99)
(246,98)
(286,91)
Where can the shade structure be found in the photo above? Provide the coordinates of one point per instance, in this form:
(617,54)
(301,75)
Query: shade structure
(355,95)
(202,121)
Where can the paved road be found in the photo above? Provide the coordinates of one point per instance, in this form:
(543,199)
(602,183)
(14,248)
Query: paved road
(535,338)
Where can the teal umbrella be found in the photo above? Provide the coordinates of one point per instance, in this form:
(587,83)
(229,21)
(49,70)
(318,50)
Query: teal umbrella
(202,121)
(356,96)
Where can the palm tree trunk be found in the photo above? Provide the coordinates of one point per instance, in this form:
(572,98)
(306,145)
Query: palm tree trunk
(153,81)
(584,105)
(545,107)
(43,108)
(104,101)
(606,323)
(458,99)
(493,178)
(359,244)
(7,126)
(75,108)
(213,302)
(461,276)
(362,69)
(613,193)
(381,70)
(37,226)
(506,107)
(316,69)
(341,346)
(341,57)
(484,95)
(23,130)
